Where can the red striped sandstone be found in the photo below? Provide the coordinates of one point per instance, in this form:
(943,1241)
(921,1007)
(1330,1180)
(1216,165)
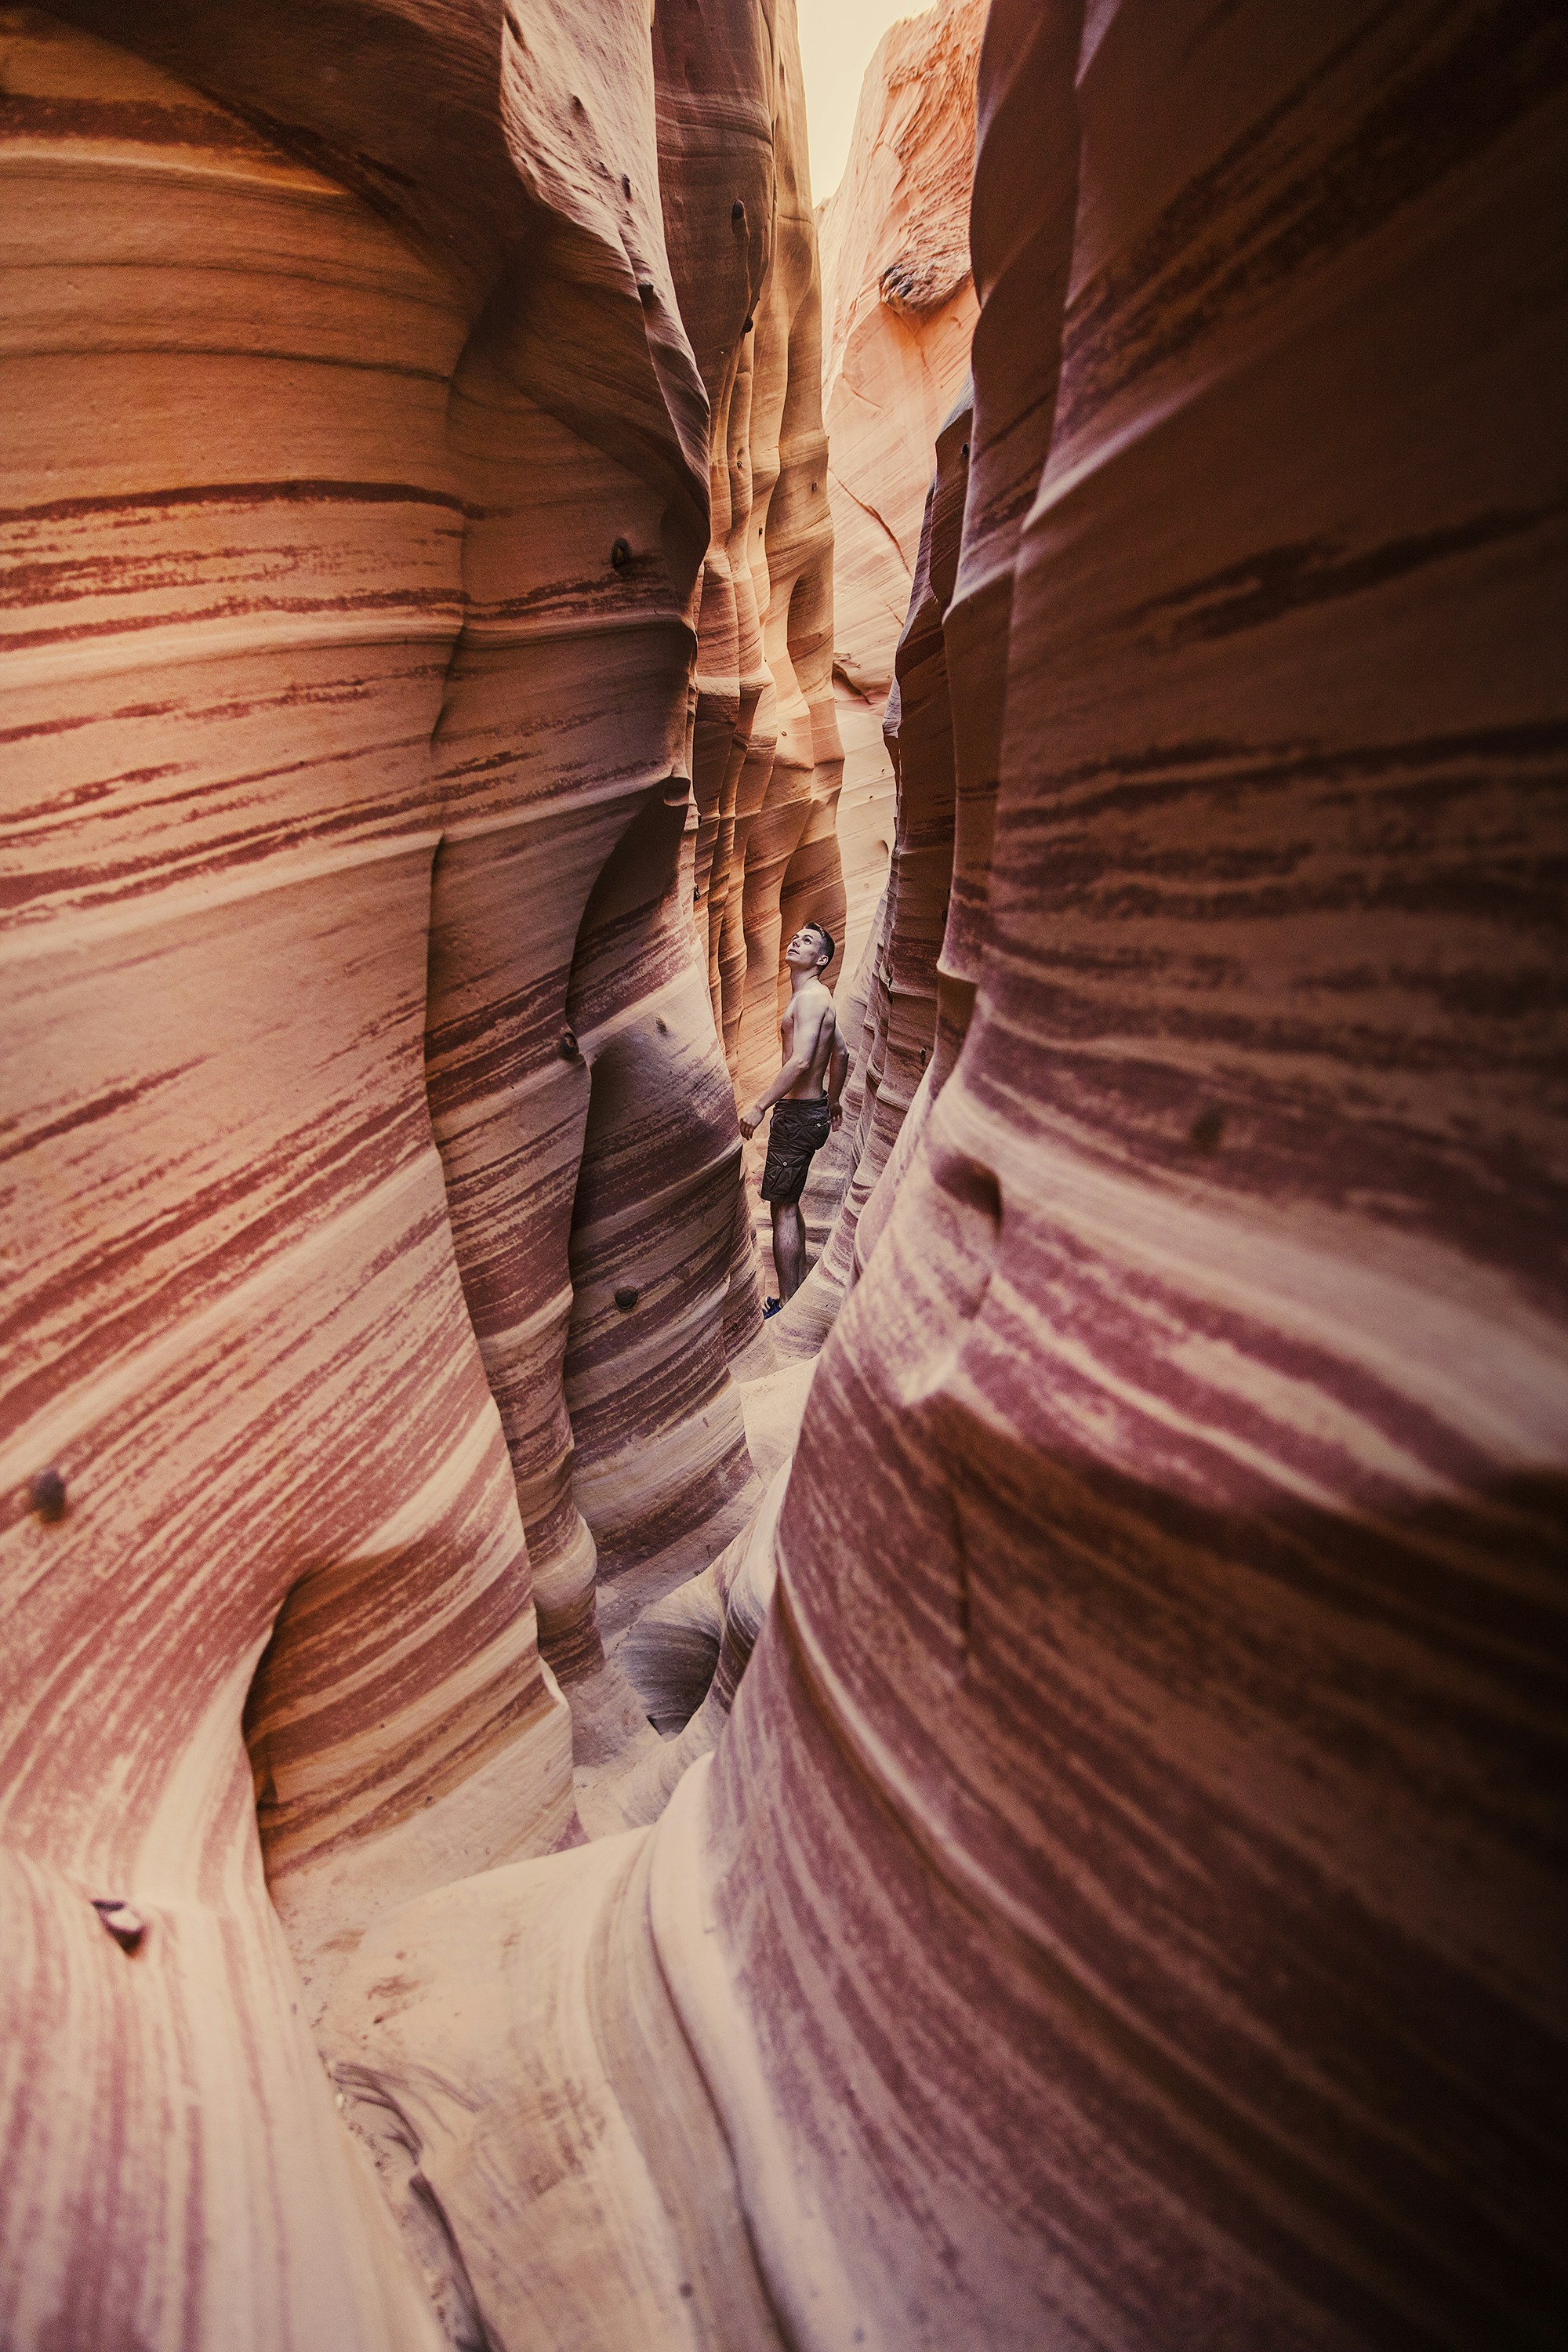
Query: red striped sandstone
(897,1036)
(659,1446)
(297,496)
(1212,1432)
(582,421)
(786,842)
(1118,1911)
(900,307)
(899,310)
(238,1325)
(1124,1908)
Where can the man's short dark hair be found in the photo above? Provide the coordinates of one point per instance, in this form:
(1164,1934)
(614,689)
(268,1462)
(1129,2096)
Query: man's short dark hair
(826,936)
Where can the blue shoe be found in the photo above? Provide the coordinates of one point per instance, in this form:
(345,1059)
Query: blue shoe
(772,1307)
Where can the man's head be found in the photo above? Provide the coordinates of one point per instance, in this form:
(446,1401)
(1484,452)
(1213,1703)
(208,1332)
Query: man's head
(810,950)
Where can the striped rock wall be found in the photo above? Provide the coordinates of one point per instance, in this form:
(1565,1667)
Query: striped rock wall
(897,1042)
(241,1336)
(766,757)
(785,856)
(1142,1842)
(356,468)
(719,114)
(900,306)
(1125,1906)
(899,309)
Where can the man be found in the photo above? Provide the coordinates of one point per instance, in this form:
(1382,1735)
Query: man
(804,1096)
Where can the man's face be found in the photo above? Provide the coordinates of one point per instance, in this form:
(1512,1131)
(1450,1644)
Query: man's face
(805,951)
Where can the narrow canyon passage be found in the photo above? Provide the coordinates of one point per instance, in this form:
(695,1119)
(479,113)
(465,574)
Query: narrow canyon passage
(1014,1805)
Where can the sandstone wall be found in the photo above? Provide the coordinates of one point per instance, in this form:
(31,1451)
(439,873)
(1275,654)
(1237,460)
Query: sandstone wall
(1124,1904)
(1120,1909)
(898,1054)
(1211,1431)
(900,308)
(240,1334)
(787,796)
(361,1049)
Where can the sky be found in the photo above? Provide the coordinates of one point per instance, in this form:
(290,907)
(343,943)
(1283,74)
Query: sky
(837,38)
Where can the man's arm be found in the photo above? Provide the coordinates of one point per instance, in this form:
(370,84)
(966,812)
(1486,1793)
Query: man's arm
(838,1071)
(796,1063)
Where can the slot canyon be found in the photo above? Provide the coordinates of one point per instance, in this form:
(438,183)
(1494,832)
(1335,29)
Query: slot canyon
(1016,1802)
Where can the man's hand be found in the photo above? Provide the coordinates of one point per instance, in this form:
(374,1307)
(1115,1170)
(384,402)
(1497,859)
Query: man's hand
(835,1115)
(750,1120)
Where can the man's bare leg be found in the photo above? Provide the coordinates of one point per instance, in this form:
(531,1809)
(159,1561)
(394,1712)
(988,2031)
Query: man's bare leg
(789,1246)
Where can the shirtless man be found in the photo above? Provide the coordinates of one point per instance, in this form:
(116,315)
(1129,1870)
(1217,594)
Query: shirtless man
(804,1096)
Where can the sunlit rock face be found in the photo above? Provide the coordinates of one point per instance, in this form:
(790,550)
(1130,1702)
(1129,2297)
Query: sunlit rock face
(899,307)
(766,759)
(901,1061)
(784,863)
(899,303)
(1114,1902)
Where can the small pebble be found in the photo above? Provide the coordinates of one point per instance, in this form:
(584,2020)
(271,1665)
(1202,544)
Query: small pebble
(127,1926)
(47,1493)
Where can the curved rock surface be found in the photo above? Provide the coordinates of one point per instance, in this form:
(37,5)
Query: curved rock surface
(898,306)
(1215,1479)
(356,507)
(1122,1905)
(898,1054)
(1119,1910)
(240,1339)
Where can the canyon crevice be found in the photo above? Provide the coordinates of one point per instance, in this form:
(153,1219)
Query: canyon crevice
(1016,1805)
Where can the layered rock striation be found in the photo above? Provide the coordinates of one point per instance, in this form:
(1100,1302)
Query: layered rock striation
(896,1028)
(361,1048)
(900,306)
(899,301)
(1116,1897)
(1211,1430)
(1119,1907)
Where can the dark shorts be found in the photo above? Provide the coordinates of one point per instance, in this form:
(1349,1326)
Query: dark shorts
(799,1130)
